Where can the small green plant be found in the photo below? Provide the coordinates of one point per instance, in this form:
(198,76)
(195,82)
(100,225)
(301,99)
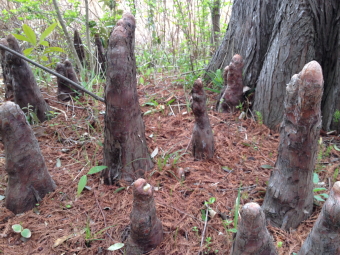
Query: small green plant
(204,213)
(83,180)
(318,197)
(217,81)
(279,244)
(226,223)
(336,116)
(157,107)
(335,174)
(26,233)
(207,244)
(31,116)
(259,117)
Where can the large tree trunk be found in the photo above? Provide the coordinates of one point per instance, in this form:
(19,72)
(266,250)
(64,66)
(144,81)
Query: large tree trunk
(252,235)
(125,148)
(146,229)
(202,136)
(29,180)
(277,38)
(25,89)
(289,195)
(215,20)
(325,236)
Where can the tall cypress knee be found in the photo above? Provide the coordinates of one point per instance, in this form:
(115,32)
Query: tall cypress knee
(289,196)
(232,93)
(78,45)
(325,236)
(202,137)
(100,54)
(5,71)
(125,148)
(25,89)
(29,180)
(146,229)
(252,235)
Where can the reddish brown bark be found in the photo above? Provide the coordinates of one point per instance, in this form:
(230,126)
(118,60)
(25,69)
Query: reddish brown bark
(202,137)
(146,229)
(25,89)
(65,89)
(252,235)
(289,196)
(325,236)
(28,178)
(9,94)
(79,46)
(232,93)
(125,148)
(100,54)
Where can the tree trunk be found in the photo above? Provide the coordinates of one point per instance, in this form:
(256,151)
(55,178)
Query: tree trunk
(29,180)
(25,89)
(215,20)
(9,94)
(146,229)
(289,195)
(325,236)
(125,148)
(65,89)
(232,93)
(79,46)
(252,235)
(100,54)
(202,137)
(277,38)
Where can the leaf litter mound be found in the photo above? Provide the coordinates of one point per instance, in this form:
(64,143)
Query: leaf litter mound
(71,143)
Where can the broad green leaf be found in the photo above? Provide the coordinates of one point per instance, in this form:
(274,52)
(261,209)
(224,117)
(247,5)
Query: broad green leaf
(26,233)
(315,178)
(267,166)
(17,228)
(53,49)
(324,195)
(44,43)
(28,51)
(30,34)
(318,189)
(115,247)
(44,58)
(317,197)
(141,80)
(47,32)
(233,230)
(21,37)
(96,169)
(81,184)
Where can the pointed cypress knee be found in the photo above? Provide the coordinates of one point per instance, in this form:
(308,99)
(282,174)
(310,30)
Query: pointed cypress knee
(202,137)
(232,93)
(100,54)
(28,178)
(252,235)
(146,229)
(289,195)
(325,236)
(79,46)
(25,89)
(125,148)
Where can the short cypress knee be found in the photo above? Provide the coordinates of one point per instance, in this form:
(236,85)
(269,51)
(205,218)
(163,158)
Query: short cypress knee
(29,180)
(202,137)
(146,229)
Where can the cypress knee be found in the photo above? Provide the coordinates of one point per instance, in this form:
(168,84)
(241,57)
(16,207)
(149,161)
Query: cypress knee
(125,148)
(9,94)
(146,229)
(28,178)
(252,235)
(202,137)
(78,45)
(325,236)
(289,195)
(100,54)
(232,93)
(25,89)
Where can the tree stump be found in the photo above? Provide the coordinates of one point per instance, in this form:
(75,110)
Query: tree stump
(79,46)
(9,94)
(202,136)
(252,236)
(289,196)
(125,148)
(65,89)
(232,93)
(146,229)
(25,89)
(100,54)
(325,236)
(29,180)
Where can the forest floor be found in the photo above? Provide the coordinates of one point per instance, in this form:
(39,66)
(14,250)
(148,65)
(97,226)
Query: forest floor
(64,223)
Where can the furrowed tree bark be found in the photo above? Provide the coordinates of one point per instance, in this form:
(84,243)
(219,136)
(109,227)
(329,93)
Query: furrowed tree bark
(232,93)
(125,148)
(325,236)
(100,54)
(252,235)
(79,46)
(25,89)
(146,229)
(9,94)
(202,137)
(66,89)
(29,180)
(215,20)
(289,195)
